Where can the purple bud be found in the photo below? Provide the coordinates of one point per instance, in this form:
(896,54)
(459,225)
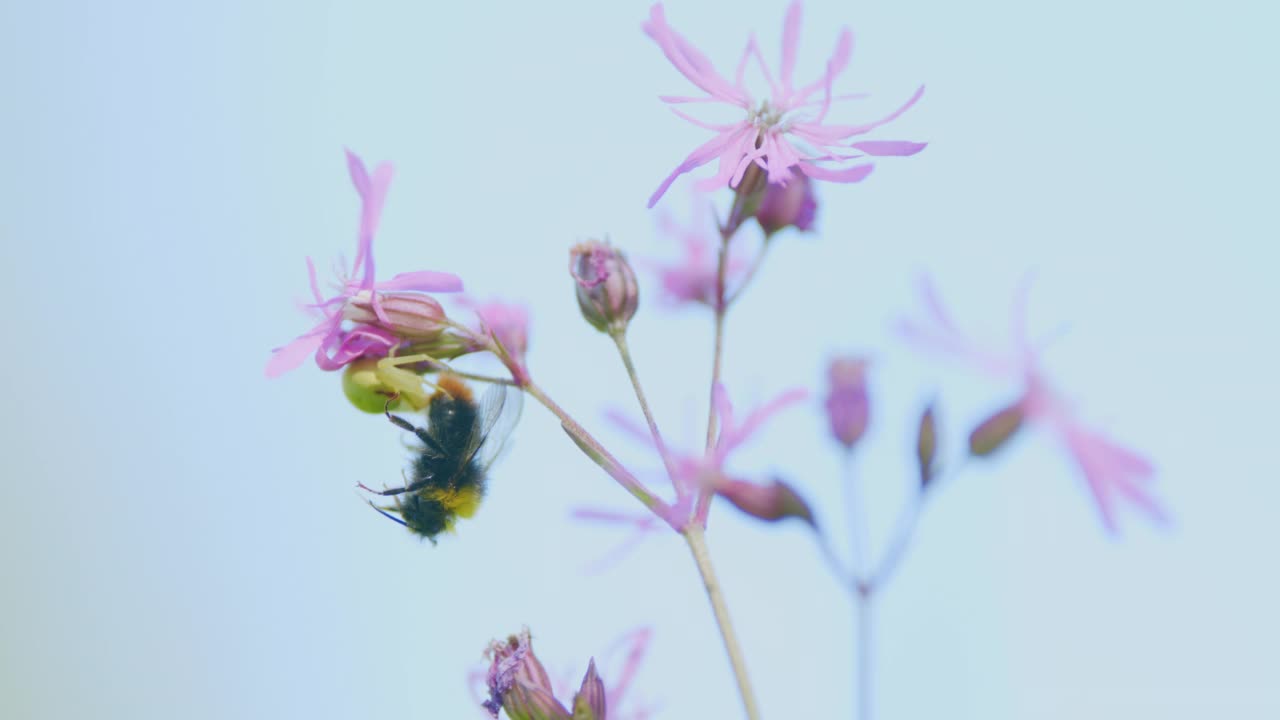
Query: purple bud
(992,433)
(848,408)
(409,315)
(789,205)
(519,684)
(927,446)
(590,703)
(771,503)
(607,290)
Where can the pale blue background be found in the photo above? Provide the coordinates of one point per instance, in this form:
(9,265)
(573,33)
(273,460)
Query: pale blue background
(181,538)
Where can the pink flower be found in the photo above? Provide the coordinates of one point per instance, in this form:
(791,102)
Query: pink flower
(507,324)
(782,132)
(692,278)
(848,407)
(694,474)
(360,295)
(1114,474)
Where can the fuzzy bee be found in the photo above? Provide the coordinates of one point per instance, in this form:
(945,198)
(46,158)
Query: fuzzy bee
(449,473)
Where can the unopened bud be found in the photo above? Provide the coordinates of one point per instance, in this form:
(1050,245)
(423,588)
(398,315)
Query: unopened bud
(771,503)
(412,316)
(590,703)
(848,408)
(608,294)
(789,205)
(992,433)
(927,446)
(519,684)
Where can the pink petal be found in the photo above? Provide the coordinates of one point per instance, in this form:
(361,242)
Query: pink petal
(699,157)
(724,407)
(836,64)
(627,425)
(423,281)
(882,148)
(790,40)
(688,59)
(722,127)
(853,174)
(290,356)
(769,409)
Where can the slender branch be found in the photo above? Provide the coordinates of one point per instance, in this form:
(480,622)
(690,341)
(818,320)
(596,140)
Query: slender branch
(620,339)
(866,652)
(693,535)
(751,273)
(599,454)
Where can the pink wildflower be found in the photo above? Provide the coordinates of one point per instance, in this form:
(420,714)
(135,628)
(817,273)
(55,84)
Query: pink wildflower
(782,133)
(360,295)
(848,407)
(1114,474)
(692,278)
(508,325)
(693,474)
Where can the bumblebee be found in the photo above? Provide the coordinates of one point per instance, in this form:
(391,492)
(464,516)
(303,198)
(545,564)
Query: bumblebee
(450,467)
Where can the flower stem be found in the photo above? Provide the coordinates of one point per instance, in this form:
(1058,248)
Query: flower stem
(866,652)
(598,453)
(693,534)
(620,339)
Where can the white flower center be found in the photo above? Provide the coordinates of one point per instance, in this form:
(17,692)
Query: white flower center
(768,117)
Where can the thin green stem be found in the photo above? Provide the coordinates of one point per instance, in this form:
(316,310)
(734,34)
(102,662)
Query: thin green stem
(598,453)
(620,340)
(694,536)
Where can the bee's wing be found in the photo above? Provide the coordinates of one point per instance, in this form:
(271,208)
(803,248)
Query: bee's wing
(496,416)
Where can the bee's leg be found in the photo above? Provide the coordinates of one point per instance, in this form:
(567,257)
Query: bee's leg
(388,515)
(408,487)
(403,424)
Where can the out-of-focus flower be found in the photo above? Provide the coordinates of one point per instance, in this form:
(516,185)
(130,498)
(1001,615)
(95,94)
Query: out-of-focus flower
(385,313)
(848,408)
(608,294)
(692,277)
(508,325)
(789,205)
(783,133)
(1113,473)
(519,684)
(694,473)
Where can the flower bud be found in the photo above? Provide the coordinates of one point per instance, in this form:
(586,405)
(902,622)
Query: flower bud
(590,702)
(848,408)
(927,446)
(519,684)
(771,503)
(412,316)
(992,433)
(789,205)
(608,294)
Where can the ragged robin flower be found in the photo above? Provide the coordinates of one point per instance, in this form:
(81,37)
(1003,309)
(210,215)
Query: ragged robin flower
(1113,473)
(367,318)
(782,134)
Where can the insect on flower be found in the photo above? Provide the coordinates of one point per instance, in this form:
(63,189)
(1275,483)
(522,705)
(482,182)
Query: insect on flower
(449,473)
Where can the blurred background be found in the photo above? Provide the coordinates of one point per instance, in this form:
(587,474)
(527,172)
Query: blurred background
(182,537)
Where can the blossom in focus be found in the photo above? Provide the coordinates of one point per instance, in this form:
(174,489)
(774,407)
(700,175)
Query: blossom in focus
(692,278)
(848,408)
(783,133)
(1114,474)
(385,313)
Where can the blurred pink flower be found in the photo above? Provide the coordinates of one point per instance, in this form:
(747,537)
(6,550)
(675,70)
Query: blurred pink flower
(780,133)
(508,323)
(693,473)
(359,292)
(692,278)
(1114,474)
